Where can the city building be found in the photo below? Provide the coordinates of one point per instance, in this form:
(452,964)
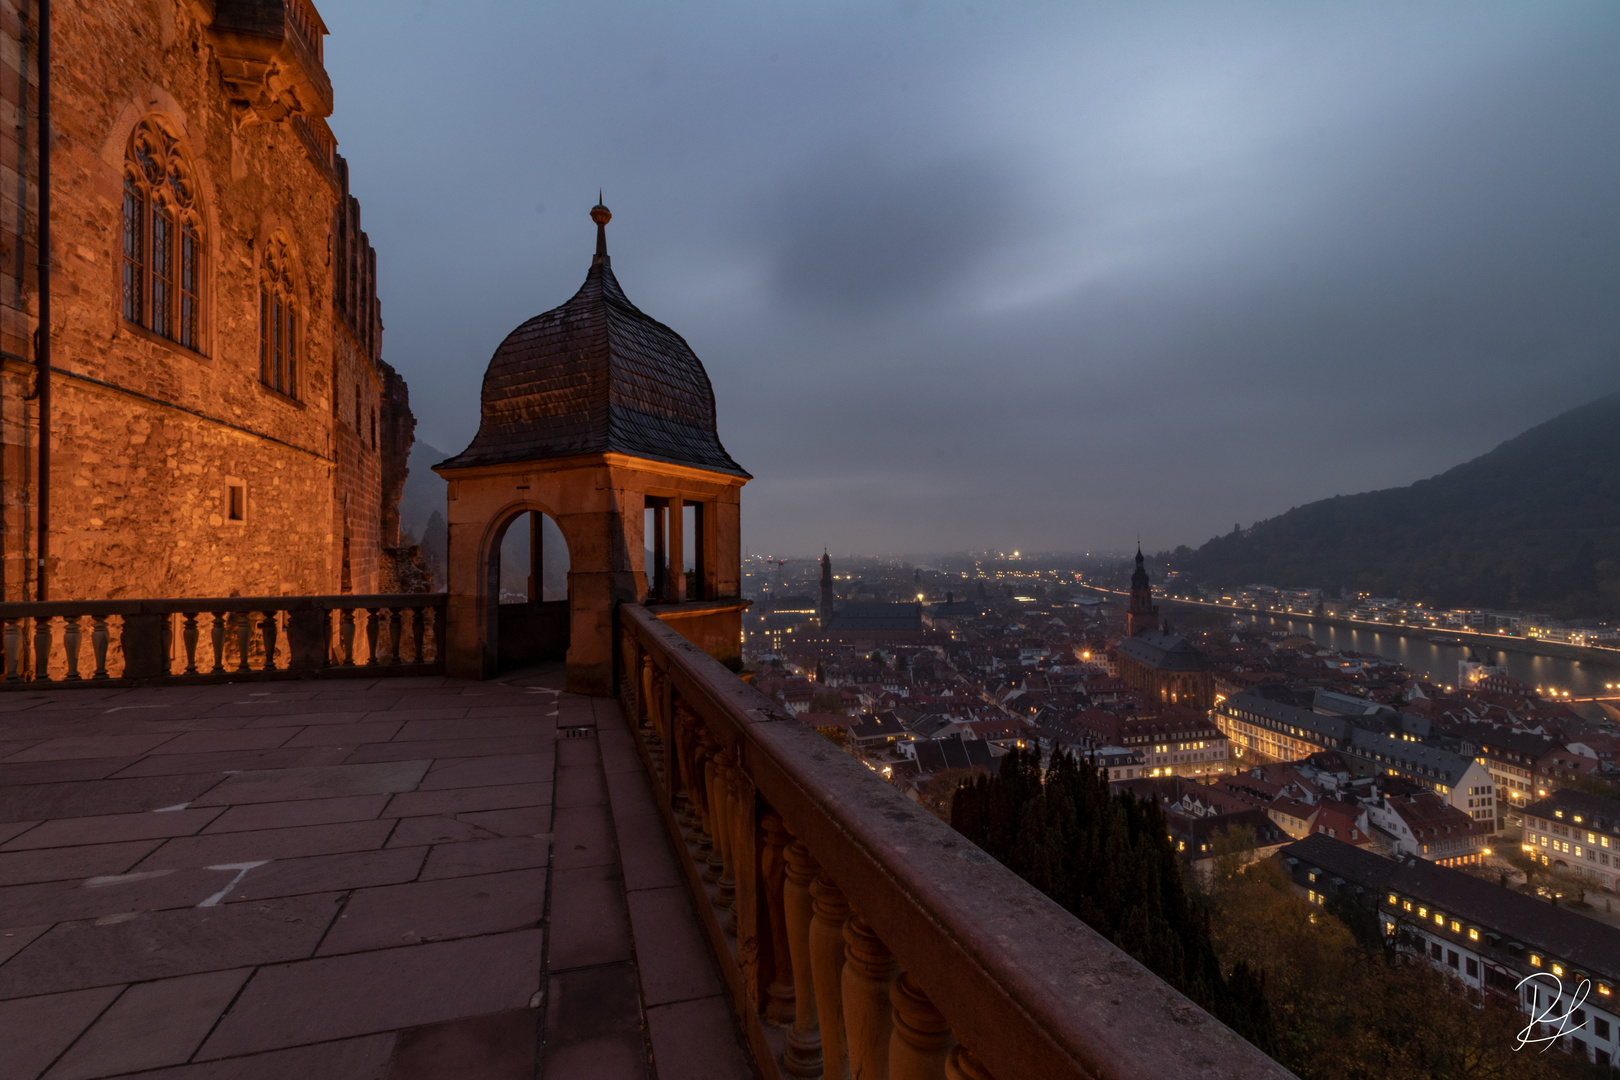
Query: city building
(1172,742)
(1425,826)
(1511,757)
(221,418)
(1575,831)
(1263,730)
(1546,960)
(1457,777)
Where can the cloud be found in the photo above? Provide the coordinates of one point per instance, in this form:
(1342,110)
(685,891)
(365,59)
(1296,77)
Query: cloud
(856,233)
(1033,276)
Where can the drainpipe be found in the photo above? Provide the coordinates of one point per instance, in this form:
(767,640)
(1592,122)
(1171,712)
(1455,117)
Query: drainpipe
(42,337)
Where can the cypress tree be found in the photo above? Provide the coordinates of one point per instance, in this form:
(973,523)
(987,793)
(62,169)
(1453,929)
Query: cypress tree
(1108,860)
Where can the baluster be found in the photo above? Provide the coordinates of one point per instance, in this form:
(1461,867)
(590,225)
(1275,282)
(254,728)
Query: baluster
(960,1064)
(98,644)
(346,636)
(216,637)
(371,637)
(773,876)
(42,648)
(743,839)
(698,790)
(922,1038)
(869,968)
(690,822)
(413,627)
(435,626)
(726,883)
(418,631)
(713,861)
(267,627)
(13,637)
(188,638)
(829,910)
(803,1054)
(395,623)
(244,638)
(70,644)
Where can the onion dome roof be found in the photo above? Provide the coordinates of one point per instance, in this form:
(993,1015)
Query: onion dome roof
(597,375)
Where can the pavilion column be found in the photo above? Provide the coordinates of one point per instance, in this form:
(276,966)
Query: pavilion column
(677,550)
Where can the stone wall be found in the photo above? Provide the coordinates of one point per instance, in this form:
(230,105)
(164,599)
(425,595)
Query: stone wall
(147,435)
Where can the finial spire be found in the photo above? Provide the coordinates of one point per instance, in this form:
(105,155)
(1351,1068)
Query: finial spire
(601,215)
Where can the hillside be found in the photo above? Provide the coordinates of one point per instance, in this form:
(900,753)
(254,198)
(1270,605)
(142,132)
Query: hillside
(1533,524)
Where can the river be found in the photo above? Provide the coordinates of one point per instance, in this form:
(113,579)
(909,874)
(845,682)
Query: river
(1439,662)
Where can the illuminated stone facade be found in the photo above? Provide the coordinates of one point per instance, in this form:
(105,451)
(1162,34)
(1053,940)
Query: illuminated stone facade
(218,399)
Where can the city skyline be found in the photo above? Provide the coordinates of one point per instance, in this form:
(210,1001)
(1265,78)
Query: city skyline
(1018,278)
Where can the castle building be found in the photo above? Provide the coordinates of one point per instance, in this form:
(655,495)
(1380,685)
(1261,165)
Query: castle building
(221,418)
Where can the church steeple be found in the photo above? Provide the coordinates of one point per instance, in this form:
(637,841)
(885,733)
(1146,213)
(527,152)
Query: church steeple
(825,608)
(1143,613)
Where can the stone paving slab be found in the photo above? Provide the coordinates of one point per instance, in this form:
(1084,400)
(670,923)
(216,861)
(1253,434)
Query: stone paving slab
(393,879)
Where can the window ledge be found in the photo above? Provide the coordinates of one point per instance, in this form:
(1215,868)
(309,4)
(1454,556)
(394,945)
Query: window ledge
(136,330)
(278,395)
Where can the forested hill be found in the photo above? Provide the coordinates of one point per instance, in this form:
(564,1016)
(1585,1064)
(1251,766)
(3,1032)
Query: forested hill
(1534,524)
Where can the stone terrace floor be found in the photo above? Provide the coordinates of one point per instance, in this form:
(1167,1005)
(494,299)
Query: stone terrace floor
(363,878)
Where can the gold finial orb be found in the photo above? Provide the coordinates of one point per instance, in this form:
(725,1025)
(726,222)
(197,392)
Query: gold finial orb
(601,214)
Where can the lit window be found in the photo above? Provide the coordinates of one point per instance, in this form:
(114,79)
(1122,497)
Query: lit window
(1535,961)
(1473,935)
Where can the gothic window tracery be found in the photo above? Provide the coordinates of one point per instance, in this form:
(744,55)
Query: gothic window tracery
(279,341)
(163,237)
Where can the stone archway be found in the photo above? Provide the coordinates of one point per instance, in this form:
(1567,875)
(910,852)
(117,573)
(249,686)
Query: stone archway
(526,588)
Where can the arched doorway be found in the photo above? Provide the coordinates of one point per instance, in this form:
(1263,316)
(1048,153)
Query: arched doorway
(527,583)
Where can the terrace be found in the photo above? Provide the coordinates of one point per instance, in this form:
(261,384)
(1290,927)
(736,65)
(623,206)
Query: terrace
(414,876)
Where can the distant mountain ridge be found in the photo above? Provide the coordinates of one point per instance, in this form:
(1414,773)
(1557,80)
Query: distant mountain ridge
(1533,524)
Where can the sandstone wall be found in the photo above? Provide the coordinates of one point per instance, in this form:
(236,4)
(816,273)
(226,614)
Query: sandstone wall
(146,434)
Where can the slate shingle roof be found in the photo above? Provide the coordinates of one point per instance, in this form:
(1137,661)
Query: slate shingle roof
(877,617)
(592,376)
(1553,931)
(1163,652)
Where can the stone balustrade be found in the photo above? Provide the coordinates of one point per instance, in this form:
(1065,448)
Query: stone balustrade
(216,639)
(862,937)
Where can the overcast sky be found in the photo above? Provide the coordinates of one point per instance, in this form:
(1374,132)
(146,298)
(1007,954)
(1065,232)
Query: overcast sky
(1044,276)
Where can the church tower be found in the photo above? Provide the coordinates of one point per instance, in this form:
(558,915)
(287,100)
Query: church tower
(1144,613)
(825,611)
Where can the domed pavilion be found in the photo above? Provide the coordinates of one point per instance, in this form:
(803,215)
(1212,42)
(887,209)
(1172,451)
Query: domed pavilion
(603,418)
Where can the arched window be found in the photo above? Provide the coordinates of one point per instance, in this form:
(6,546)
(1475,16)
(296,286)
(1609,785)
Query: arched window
(279,345)
(163,242)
